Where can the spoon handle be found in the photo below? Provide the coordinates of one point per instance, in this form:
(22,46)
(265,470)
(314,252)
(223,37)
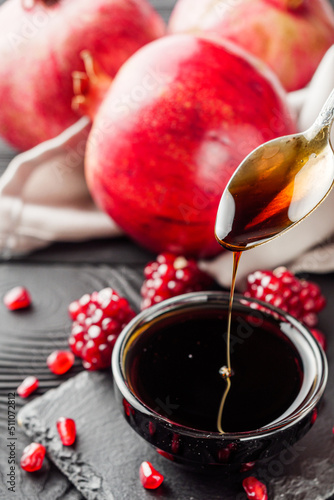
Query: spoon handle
(326,115)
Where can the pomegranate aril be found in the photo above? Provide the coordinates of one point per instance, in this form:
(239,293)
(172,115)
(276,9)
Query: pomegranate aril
(77,339)
(84,302)
(95,332)
(150,269)
(110,326)
(310,319)
(59,362)
(254,489)
(28,386)
(74,309)
(165,257)
(175,287)
(96,355)
(320,303)
(150,478)
(67,430)
(32,457)
(17,298)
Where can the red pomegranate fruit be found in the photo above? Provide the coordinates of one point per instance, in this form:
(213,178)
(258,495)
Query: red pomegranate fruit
(177,120)
(40,46)
(282,33)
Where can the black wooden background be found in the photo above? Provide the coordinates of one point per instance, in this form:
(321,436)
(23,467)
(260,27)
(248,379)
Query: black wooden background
(55,276)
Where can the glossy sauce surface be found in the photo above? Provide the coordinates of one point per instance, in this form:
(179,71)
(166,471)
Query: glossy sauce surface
(175,371)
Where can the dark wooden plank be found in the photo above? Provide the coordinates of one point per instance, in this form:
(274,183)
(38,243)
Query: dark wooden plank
(113,251)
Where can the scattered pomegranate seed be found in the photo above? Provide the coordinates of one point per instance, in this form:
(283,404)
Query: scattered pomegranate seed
(149,477)
(320,337)
(67,430)
(98,319)
(254,489)
(17,298)
(300,298)
(32,457)
(28,386)
(60,362)
(171,275)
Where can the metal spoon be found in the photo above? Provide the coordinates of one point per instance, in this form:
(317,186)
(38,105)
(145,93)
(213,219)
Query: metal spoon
(277,185)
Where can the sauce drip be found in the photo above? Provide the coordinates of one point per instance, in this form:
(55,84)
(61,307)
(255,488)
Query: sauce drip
(226,371)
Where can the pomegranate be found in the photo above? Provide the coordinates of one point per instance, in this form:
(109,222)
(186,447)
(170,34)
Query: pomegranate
(177,120)
(40,46)
(281,33)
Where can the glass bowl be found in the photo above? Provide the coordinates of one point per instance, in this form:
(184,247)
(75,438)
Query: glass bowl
(211,449)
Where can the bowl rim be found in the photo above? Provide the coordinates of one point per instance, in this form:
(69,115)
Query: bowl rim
(206,297)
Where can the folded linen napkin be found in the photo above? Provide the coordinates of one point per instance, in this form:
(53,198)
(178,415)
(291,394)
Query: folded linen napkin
(44,198)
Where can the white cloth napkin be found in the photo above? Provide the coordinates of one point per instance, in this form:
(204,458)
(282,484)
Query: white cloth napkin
(44,198)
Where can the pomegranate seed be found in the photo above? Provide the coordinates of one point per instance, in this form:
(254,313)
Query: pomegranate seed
(171,275)
(28,386)
(60,362)
(254,489)
(320,337)
(98,320)
(74,309)
(67,430)
(32,457)
(17,298)
(149,477)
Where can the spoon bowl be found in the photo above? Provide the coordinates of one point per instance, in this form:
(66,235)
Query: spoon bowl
(277,185)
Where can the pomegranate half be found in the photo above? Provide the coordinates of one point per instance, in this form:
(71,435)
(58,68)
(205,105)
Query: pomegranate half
(179,117)
(40,46)
(291,36)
